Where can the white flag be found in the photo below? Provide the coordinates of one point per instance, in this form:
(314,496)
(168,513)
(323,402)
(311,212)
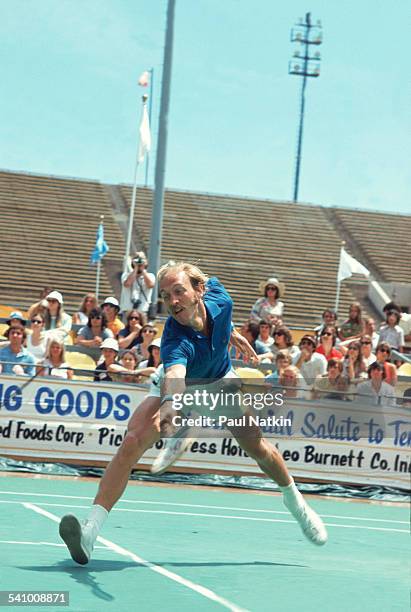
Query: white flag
(144,79)
(349,266)
(145,136)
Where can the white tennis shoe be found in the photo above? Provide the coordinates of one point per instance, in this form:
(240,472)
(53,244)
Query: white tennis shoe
(172,450)
(312,525)
(79,537)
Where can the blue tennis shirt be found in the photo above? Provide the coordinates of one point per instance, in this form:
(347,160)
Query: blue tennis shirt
(204,357)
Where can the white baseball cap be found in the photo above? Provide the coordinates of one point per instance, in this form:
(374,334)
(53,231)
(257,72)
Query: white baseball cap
(112,301)
(55,295)
(110,343)
(156,342)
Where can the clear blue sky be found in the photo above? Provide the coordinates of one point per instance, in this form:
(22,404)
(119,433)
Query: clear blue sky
(70,104)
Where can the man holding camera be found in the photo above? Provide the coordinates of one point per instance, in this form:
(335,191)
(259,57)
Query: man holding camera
(137,285)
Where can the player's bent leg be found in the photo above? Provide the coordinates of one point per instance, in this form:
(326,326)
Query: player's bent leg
(143,430)
(272,463)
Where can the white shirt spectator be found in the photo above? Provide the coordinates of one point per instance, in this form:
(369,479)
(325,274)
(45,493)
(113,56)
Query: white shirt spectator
(314,367)
(38,350)
(367,394)
(138,292)
(393,335)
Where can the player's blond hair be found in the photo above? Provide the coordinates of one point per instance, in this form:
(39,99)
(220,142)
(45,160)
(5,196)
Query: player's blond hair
(196,276)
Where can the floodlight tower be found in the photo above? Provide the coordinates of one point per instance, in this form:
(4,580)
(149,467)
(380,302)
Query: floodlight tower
(304,63)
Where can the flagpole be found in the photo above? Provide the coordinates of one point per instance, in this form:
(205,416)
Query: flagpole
(150,108)
(337,297)
(98,267)
(133,201)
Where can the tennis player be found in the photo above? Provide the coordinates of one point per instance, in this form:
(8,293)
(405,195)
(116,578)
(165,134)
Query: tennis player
(194,346)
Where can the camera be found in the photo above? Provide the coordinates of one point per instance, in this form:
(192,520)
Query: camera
(138,261)
(136,304)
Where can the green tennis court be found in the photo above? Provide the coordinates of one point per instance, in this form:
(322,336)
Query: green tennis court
(197,548)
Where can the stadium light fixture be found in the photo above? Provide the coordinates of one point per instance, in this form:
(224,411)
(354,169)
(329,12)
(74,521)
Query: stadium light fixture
(305,34)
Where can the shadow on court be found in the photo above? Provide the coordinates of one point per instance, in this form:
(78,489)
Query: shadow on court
(82,574)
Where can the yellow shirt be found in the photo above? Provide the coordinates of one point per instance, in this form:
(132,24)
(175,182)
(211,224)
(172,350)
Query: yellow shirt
(116,326)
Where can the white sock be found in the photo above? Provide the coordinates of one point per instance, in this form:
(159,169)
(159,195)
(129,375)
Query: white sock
(97,516)
(293,499)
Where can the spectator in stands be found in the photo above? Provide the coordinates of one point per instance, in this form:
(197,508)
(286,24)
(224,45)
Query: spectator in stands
(326,347)
(14,358)
(369,329)
(310,363)
(292,383)
(96,331)
(366,350)
(36,340)
(354,368)
(332,385)
(125,371)
(329,317)
(269,307)
(129,337)
(129,362)
(111,308)
(376,390)
(146,336)
(149,366)
(41,305)
(88,304)
(383,355)
(265,340)
(55,318)
(137,285)
(110,350)
(16,319)
(250,331)
(352,328)
(391,332)
(54,363)
(283,341)
(282,360)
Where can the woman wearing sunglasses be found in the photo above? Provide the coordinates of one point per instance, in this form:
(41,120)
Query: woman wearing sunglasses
(366,350)
(269,307)
(36,341)
(96,331)
(354,368)
(383,355)
(129,337)
(283,341)
(326,347)
(145,338)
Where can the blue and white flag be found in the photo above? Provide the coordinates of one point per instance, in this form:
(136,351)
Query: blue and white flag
(101,247)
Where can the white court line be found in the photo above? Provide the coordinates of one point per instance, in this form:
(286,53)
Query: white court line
(217,516)
(237,509)
(28,543)
(151,566)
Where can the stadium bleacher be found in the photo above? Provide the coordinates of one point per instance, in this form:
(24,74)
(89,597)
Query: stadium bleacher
(48,230)
(48,227)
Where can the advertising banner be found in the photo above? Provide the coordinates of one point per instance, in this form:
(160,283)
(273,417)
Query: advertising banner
(325,440)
